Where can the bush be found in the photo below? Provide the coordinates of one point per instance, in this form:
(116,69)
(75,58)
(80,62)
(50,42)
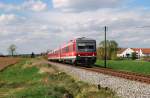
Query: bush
(146,59)
(134,56)
(114,56)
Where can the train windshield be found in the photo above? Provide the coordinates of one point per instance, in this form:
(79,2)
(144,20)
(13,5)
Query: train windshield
(86,47)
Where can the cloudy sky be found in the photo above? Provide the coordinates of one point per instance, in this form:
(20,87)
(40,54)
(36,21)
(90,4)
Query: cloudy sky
(38,25)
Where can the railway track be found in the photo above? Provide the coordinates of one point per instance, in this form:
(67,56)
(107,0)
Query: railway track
(121,74)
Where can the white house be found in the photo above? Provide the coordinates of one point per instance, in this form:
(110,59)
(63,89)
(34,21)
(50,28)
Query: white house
(127,52)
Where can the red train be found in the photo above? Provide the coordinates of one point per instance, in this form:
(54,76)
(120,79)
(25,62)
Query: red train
(78,51)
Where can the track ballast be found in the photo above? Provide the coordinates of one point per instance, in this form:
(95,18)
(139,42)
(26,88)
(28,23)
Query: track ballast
(121,74)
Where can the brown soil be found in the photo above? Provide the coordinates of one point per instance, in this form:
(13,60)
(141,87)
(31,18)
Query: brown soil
(6,61)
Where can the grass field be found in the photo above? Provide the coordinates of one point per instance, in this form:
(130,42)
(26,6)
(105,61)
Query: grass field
(33,78)
(141,67)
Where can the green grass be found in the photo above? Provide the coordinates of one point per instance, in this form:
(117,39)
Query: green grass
(17,73)
(26,82)
(141,67)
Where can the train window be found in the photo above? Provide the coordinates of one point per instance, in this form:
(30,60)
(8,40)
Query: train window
(86,47)
(90,47)
(71,48)
(67,49)
(63,50)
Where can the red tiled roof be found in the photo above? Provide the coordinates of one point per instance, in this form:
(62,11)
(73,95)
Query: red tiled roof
(136,49)
(145,50)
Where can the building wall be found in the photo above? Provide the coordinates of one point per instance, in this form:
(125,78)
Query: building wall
(127,51)
(146,55)
(130,51)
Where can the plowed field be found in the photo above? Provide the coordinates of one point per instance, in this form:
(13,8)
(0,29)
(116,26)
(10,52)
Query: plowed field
(6,61)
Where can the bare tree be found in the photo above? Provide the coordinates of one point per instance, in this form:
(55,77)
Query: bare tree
(12,49)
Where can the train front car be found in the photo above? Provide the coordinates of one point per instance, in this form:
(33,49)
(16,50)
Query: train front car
(85,51)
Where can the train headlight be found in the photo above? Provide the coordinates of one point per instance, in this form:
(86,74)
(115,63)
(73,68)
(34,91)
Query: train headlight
(93,54)
(79,55)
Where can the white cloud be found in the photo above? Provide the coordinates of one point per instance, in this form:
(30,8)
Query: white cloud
(49,29)
(122,25)
(7,18)
(9,7)
(29,5)
(80,5)
(35,5)
(39,6)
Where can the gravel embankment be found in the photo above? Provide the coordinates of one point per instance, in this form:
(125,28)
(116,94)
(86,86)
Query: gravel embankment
(123,87)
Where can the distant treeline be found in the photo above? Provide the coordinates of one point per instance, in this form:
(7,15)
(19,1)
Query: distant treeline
(21,55)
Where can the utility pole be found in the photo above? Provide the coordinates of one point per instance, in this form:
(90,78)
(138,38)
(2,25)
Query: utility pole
(105,61)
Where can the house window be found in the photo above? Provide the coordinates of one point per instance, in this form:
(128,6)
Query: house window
(127,55)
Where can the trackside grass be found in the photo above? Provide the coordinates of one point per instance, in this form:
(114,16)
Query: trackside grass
(34,79)
(141,67)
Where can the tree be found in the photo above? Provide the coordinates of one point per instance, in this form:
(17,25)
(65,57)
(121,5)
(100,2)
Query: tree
(134,56)
(32,55)
(112,47)
(101,49)
(12,49)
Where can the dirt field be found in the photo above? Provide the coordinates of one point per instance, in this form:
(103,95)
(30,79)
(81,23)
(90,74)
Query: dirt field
(6,61)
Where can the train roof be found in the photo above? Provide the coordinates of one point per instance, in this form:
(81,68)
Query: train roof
(84,38)
(71,41)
